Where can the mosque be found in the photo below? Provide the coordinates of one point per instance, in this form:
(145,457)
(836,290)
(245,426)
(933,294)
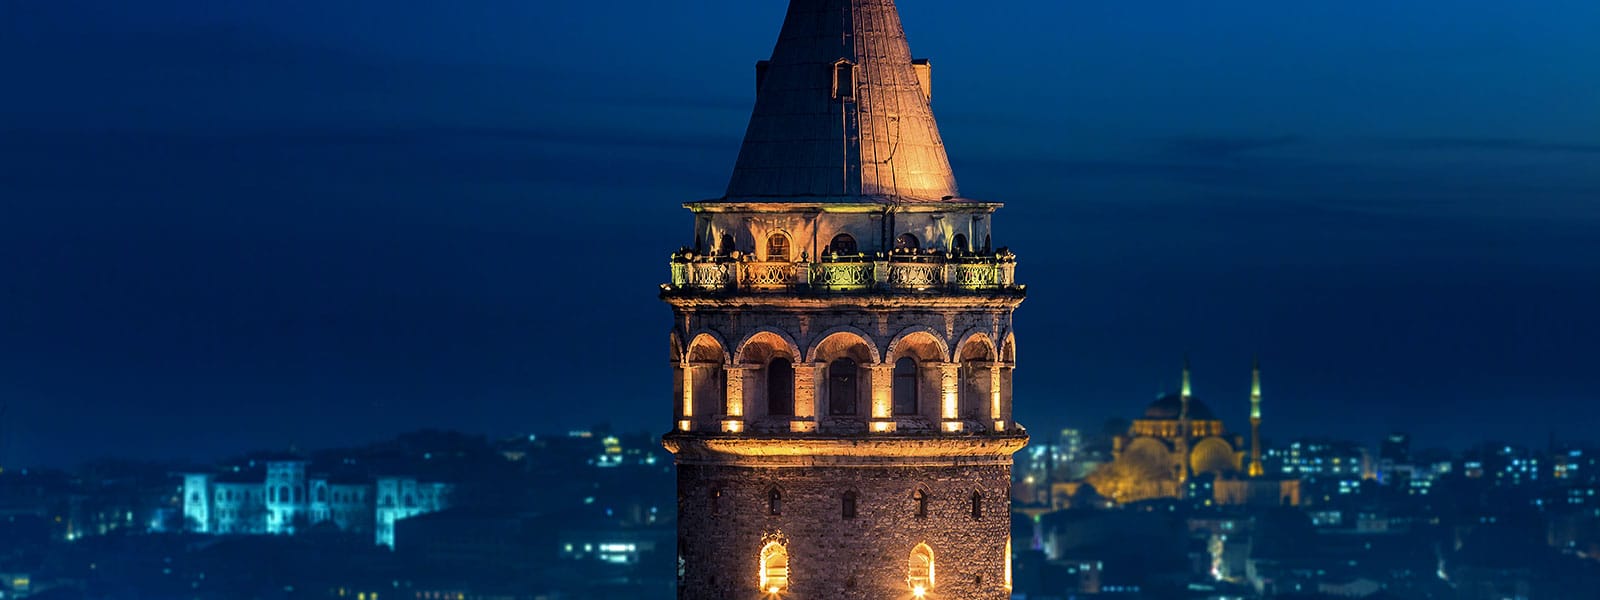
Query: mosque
(1179,443)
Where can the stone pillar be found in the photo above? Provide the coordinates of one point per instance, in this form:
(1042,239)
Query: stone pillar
(686,415)
(734,422)
(950,395)
(995,417)
(805,397)
(882,409)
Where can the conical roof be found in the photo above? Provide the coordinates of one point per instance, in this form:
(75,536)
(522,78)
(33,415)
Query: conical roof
(841,114)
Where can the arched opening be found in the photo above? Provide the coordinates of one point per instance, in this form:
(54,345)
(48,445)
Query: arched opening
(283,494)
(778,247)
(725,245)
(977,506)
(322,494)
(774,568)
(847,505)
(843,386)
(976,378)
(920,499)
(905,386)
(906,243)
(780,387)
(986,248)
(842,244)
(774,502)
(707,383)
(920,570)
(959,244)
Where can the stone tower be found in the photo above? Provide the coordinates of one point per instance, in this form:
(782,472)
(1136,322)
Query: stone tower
(842,344)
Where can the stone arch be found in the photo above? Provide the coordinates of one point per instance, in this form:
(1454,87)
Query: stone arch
(705,340)
(774,338)
(920,571)
(843,331)
(1008,348)
(675,347)
(909,337)
(917,353)
(703,378)
(844,383)
(976,356)
(1213,455)
(774,567)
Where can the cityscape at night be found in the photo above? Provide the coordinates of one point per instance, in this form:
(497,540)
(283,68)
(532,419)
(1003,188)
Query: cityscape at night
(805,299)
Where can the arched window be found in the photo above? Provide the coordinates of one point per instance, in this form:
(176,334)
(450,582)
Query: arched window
(780,387)
(774,568)
(977,506)
(959,244)
(778,247)
(842,379)
(774,502)
(726,244)
(905,386)
(298,494)
(919,570)
(283,494)
(322,494)
(842,244)
(847,505)
(921,499)
(906,243)
(986,248)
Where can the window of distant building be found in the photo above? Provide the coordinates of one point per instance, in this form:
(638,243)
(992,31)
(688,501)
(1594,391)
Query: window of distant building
(778,247)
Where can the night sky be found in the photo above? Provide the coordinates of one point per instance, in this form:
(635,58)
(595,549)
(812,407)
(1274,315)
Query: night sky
(240,225)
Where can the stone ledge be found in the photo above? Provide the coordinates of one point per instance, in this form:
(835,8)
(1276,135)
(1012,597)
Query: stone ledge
(866,450)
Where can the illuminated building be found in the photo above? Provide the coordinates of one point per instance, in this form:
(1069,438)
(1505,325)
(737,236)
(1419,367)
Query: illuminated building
(842,346)
(1177,438)
(282,499)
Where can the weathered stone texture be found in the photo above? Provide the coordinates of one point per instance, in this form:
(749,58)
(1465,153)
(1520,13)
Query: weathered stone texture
(837,558)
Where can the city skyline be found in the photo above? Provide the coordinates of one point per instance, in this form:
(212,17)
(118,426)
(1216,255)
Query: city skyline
(274,232)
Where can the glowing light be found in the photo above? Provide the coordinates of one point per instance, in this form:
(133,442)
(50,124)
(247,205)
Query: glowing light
(684,425)
(919,591)
(953,427)
(732,426)
(883,426)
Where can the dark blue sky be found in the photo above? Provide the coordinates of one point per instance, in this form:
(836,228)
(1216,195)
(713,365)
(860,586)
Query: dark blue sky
(234,225)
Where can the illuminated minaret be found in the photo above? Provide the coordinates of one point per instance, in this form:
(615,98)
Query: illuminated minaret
(1184,432)
(842,343)
(1255,420)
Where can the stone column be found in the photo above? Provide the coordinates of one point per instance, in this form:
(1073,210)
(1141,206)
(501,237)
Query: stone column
(805,397)
(950,395)
(734,422)
(882,409)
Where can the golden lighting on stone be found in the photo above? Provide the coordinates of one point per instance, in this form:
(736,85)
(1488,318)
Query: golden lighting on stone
(952,427)
(732,426)
(883,426)
(684,425)
(774,568)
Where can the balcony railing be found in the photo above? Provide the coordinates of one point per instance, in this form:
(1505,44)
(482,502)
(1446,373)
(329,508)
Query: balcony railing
(839,273)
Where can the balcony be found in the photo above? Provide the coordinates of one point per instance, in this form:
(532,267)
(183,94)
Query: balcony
(839,274)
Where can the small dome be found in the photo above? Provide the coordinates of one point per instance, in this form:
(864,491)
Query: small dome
(1170,408)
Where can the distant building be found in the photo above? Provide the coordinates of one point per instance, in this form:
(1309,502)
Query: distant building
(282,499)
(1177,440)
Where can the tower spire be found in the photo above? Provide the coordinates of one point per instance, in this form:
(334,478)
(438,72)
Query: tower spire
(1184,431)
(842,113)
(1255,419)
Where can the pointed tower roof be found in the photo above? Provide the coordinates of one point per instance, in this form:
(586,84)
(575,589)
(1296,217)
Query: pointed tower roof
(841,113)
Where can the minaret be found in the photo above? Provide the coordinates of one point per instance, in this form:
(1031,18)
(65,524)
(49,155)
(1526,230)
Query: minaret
(842,344)
(1255,420)
(1184,432)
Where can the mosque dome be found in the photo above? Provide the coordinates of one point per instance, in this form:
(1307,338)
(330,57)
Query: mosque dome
(1170,408)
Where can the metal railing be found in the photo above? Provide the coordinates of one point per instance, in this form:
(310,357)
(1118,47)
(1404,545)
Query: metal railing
(724,274)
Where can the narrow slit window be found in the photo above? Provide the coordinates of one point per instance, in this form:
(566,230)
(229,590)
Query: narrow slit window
(844,80)
(977,506)
(848,505)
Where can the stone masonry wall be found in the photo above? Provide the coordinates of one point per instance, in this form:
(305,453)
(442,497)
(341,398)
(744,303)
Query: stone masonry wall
(830,556)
